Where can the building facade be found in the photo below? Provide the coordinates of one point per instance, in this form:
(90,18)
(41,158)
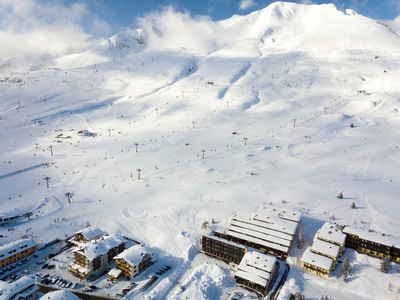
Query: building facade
(134,260)
(317,264)
(92,258)
(328,245)
(256,271)
(270,230)
(86,235)
(223,248)
(16,251)
(373,243)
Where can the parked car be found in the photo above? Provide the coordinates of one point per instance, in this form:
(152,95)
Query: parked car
(39,261)
(25,272)
(93,287)
(87,290)
(51,266)
(45,266)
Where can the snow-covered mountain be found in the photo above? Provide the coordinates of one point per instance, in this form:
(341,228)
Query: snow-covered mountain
(273,93)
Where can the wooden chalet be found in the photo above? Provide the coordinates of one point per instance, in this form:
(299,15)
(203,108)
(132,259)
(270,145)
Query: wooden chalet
(15,251)
(373,243)
(86,235)
(133,260)
(92,258)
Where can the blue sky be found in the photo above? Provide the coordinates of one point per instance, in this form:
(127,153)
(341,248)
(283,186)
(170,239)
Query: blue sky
(59,27)
(124,12)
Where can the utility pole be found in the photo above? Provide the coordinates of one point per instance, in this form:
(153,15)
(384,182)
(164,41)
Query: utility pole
(136,144)
(47,181)
(69,196)
(109,132)
(194,124)
(245,141)
(326,108)
(203,153)
(294,122)
(51,150)
(227,103)
(138,170)
(156,110)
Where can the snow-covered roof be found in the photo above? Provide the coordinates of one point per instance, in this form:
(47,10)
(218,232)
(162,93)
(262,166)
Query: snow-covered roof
(225,241)
(59,295)
(327,248)
(15,247)
(373,236)
(256,267)
(317,260)
(115,272)
(258,233)
(329,232)
(258,241)
(93,249)
(79,268)
(133,255)
(23,287)
(273,223)
(91,232)
(258,226)
(267,212)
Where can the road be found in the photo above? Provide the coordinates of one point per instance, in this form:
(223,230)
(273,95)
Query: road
(274,294)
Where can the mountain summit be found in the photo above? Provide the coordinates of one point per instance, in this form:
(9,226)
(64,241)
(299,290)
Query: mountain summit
(185,121)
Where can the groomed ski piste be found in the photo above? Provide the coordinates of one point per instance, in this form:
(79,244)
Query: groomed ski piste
(267,99)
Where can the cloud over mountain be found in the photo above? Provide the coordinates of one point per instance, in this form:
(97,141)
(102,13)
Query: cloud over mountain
(33,27)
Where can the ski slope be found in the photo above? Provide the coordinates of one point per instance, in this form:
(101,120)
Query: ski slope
(286,78)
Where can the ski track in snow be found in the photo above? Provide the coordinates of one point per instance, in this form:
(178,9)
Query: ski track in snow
(176,102)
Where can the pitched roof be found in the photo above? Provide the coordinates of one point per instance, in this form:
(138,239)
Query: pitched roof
(15,247)
(59,295)
(91,232)
(93,249)
(133,255)
(23,286)
(115,272)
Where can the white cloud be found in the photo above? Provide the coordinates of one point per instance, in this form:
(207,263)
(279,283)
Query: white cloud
(246,4)
(393,24)
(307,2)
(33,27)
(171,29)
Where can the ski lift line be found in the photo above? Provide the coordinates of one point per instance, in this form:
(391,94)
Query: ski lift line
(23,170)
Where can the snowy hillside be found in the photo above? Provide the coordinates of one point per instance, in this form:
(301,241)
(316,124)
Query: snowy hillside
(272,94)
